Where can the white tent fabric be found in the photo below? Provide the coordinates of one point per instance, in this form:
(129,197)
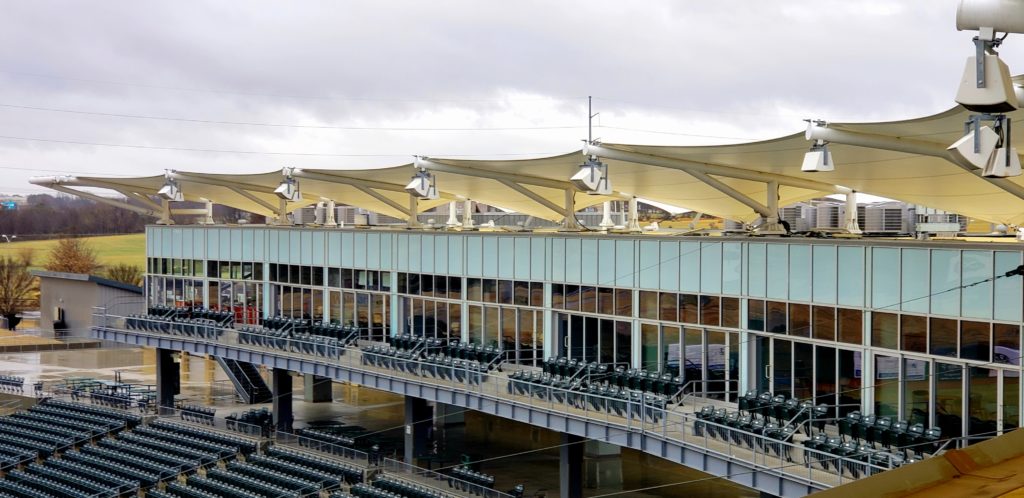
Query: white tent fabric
(921,178)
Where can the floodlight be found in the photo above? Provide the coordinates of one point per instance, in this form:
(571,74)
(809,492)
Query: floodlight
(422,185)
(288,189)
(986,86)
(170,191)
(1005,162)
(592,177)
(818,159)
(976,147)
(999,15)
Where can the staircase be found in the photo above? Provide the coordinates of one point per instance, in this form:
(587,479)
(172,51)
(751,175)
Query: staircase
(247,380)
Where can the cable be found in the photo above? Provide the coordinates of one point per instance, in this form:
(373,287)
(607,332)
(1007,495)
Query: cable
(277,125)
(224,151)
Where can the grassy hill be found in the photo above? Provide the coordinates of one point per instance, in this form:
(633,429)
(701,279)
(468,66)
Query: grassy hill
(110,250)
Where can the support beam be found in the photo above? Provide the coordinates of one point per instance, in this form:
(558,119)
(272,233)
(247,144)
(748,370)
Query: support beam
(419,419)
(606,215)
(165,213)
(771,225)
(194,178)
(740,197)
(281,386)
(634,216)
(711,169)
(414,211)
(208,217)
(932,149)
(144,200)
(360,182)
(380,197)
(851,214)
(330,220)
(492,175)
(168,380)
(282,212)
(248,195)
(104,200)
(570,223)
(570,466)
(453,219)
(467,214)
(533,196)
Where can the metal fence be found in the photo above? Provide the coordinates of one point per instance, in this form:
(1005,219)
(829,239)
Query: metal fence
(438,480)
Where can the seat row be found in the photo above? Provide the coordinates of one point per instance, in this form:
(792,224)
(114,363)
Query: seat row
(489,354)
(256,421)
(786,410)
(133,461)
(433,365)
(94,424)
(755,432)
(285,324)
(326,480)
(662,383)
(228,485)
(470,476)
(890,434)
(222,318)
(240,444)
(296,342)
(12,383)
(834,454)
(351,474)
(12,456)
(389,486)
(46,485)
(598,396)
(130,419)
(345,334)
(197,413)
(185,327)
(222,451)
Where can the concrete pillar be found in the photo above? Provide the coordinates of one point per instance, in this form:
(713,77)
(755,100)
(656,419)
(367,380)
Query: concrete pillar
(165,213)
(851,214)
(606,215)
(168,380)
(419,417)
(414,211)
(570,467)
(281,385)
(570,211)
(317,389)
(467,214)
(453,219)
(207,219)
(603,464)
(329,219)
(634,216)
(282,212)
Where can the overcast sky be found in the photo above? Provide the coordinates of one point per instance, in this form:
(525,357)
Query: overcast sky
(696,72)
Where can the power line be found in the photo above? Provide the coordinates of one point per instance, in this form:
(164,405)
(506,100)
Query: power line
(279,125)
(266,153)
(280,96)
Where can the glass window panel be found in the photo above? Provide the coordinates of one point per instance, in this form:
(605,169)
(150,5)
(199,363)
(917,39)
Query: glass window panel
(916,390)
(782,367)
(915,281)
(885,278)
(731,312)
(825,377)
(607,348)
(824,326)
(588,299)
(1006,343)
(755,314)
(975,341)
(800,320)
(508,329)
(983,402)
(942,336)
(1011,400)
(522,294)
(606,301)
(693,355)
(716,355)
(734,365)
(318,275)
(476,324)
(803,370)
(455,321)
(667,307)
(454,287)
(505,291)
(851,276)
(914,333)
(623,342)
(949,399)
(624,302)
(440,285)
(537,294)
(945,300)
(776,317)
(648,305)
(335,306)
(490,292)
(649,347)
(850,381)
(572,297)
(977,293)
(887,385)
(885,330)
(688,309)
(670,352)
(710,313)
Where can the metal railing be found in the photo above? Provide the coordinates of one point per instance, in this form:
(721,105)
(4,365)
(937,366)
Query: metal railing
(441,482)
(671,423)
(291,439)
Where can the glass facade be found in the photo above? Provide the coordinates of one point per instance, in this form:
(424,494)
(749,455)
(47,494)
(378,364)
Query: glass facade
(926,332)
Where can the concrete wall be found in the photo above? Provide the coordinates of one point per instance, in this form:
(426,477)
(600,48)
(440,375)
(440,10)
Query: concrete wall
(77,298)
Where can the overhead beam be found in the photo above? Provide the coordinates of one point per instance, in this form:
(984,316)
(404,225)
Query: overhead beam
(492,175)
(187,177)
(932,149)
(141,198)
(535,197)
(724,188)
(347,180)
(103,200)
(248,195)
(380,197)
(709,168)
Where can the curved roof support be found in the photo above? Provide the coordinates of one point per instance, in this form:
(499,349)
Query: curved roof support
(858,139)
(359,182)
(429,164)
(724,188)
(708,168)
(103,200)
(377,195)
(535,198)
(248,195)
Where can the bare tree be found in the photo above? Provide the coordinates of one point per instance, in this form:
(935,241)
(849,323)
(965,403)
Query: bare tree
(16,286)
(126,273)
(73,256)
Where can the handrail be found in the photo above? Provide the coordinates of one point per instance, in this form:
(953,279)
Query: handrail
(635,418)
(391,465)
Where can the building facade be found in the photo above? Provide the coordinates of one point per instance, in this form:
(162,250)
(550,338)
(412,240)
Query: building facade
(924,331)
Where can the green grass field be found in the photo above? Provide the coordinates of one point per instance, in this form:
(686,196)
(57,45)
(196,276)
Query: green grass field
(110,250)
